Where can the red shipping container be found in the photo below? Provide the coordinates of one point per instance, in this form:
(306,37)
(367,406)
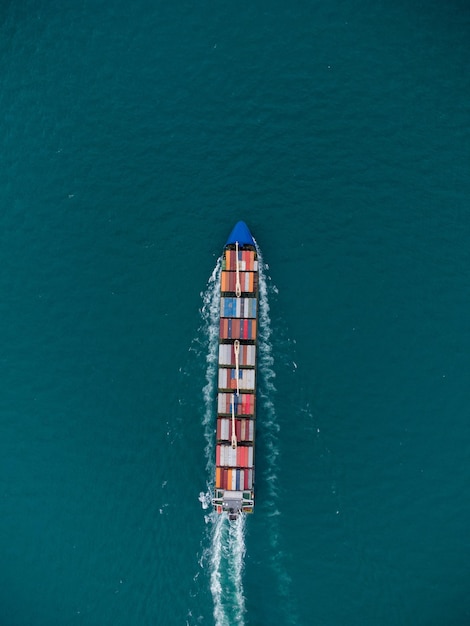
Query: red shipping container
(246,258)
(247,404)
(248,479)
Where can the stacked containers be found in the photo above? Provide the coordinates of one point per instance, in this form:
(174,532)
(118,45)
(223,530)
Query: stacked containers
(243,404)
(244,429)
(228,378)
(246,261)
(236,411)
(238,307)
(241,456)
(233,479)
(229,281)
(237,328)
(246,355)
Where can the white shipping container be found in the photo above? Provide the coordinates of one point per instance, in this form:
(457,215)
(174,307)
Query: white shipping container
(224,353)
(248,379)
(249,355)
(246,282)
(233,456)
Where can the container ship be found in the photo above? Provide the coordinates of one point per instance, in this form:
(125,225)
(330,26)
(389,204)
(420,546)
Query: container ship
(236,388)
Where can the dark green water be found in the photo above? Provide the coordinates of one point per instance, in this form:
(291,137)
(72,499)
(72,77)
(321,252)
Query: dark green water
(133,137)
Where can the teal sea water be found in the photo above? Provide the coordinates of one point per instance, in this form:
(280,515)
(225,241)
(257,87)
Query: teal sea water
(133,136)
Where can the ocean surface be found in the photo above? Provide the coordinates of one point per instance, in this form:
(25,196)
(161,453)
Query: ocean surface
(133,137)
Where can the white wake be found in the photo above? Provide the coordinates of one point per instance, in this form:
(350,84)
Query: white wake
(210,312)
(226,570)
(269,423)
(225,548)
(224,544)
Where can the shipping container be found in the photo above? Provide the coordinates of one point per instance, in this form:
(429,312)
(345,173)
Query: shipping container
(237,328)
(246,261)
(223,429)
(229,281)
(246,354)
(238,307)
(244,403)
(244,429)
(240,456)
(234,478)
(228,378)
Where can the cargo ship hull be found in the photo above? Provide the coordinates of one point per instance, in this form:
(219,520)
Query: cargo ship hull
(236,387)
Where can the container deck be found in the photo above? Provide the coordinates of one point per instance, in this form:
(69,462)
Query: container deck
(236,389)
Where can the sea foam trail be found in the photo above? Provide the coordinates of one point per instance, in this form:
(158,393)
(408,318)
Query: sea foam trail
(269,423)
(266,387)
(226,570)
(225,541)
(210,313)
